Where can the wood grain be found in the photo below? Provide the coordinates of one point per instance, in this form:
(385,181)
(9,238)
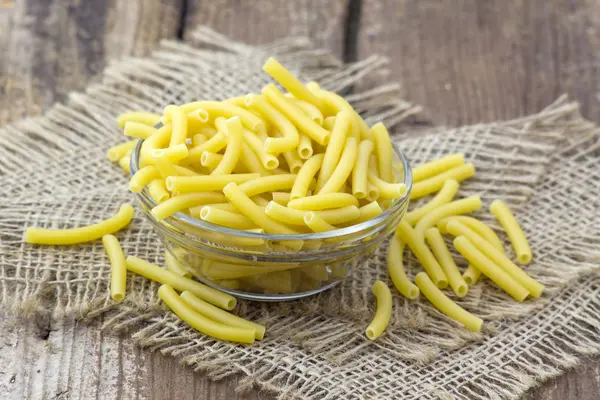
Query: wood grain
(469,61)
(52,47)
(263,21)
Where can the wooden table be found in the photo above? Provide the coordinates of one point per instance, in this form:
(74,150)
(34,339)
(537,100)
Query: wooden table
(466,61)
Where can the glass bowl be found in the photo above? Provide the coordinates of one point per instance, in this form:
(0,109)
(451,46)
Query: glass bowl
(264,267)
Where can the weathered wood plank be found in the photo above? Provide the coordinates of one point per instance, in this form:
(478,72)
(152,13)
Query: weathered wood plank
(50,48)
(469,61)
(262,21)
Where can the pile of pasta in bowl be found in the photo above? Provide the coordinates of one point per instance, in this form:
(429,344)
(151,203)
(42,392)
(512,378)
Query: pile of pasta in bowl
(276,196)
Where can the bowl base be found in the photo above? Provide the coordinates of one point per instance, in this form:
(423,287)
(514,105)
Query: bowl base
(270,297)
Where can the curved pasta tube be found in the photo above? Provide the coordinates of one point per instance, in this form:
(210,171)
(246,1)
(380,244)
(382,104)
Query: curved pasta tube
(225,218)
(221,316)
(164,166)
(490,269)
(139,130)
(323,202)
(305,149)
(117,152)
(305,176)
(384,152)
(271,183)
(293,161)
(281,197)
(218,270)
(396,270)
(360,171)
(513,230)
(339,215)
(125,164)
(268,161)
(316,223)
(118,269)
(198,139)
(143,177)
(296,217)
(462,206)
(445,305)
(205,183)
(471,275)
(161,275)
(141,117)
(290,139)
(228,110)
(444,258)
(444,196)
(290,82)
(329,122)
(387,190)
(251,161)
(367,212)
(295,114)
(310,110)
(417,244)
(183,202)
(159,140)
(337,103)
(343,124)
(479,227)
(210,159)
(437,167)
(497,257)
(215,144)
(174,266)
(158,191)
(435,183)
(82,234)
(273,282)
(234,147)
(344,168)
(201,323)
(384,310)
(372,192)
(195,211)
(179,124)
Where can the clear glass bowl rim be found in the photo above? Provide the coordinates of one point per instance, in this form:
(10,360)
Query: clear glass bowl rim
(144,197)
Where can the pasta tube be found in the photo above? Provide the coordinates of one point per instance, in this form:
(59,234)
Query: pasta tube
(281,197)
(323,201)
(417,244)
(139,130)
(309,109)
(316,223)
(435,183)
(367,212)
(141,117)
(479,227)
(267,184)
(228,110)
(174,266)
(444,258)
(218,270)
(183,202)
(157,141)
(118,270)
(143,177)
(305,149)
(361,168)
(210,160)
(387,190)
(290,139)
(343,124)
(187,184)
(161,275)
(82,234)
(234,147)
(225,218)
(214,144)
(221,316)
(444,196)
(396,270)
(329,122)
(164,166)
(201,323)
(293,161)
(384,152)
(384,310)
(179,128)
(125,164)
(286,79)
(268,161)
(119,151)
(490,269)
(251,161)
(296,217)
(305,176)
(295,114)
(372,192)
(513,230)
(199,139)
(437,167)
(158,191)
(337,103)
(462,206)
(343,169)
(445,305)
(497,257)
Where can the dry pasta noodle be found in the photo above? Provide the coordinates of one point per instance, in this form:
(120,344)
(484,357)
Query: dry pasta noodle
(305,148)
(234,147)
(383,312)
(257,145)
(367,212)
(201,323)
(462,206)
(281,197)
(384,152)
(174,266)
(291,216)
(316,223)
(82,234)
(417,244)
(204,183)
(183,202)
(339,133)
(179,126)
(268,184)
(158,191)
(444,258)
(360,171)
(142,177)
(125,164)
(160,275)
(337,103)
(118,269)
(290,82)
(225,218)
(479,227)
(497,257)
(343,169)
(305,176)
(214,144)
(435,183)
(388,190)
(444,196)
(445,305)
(210,160)
(396,270)
(228,110)
(139,130)
(223,317)
(513,230)
(437,167)
(290,139)
(141,117)
(323,201)
(117,152)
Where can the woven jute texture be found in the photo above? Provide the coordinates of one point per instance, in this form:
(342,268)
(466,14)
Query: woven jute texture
(54,173)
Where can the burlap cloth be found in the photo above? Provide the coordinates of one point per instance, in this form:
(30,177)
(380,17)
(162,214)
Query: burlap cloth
(54,173)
